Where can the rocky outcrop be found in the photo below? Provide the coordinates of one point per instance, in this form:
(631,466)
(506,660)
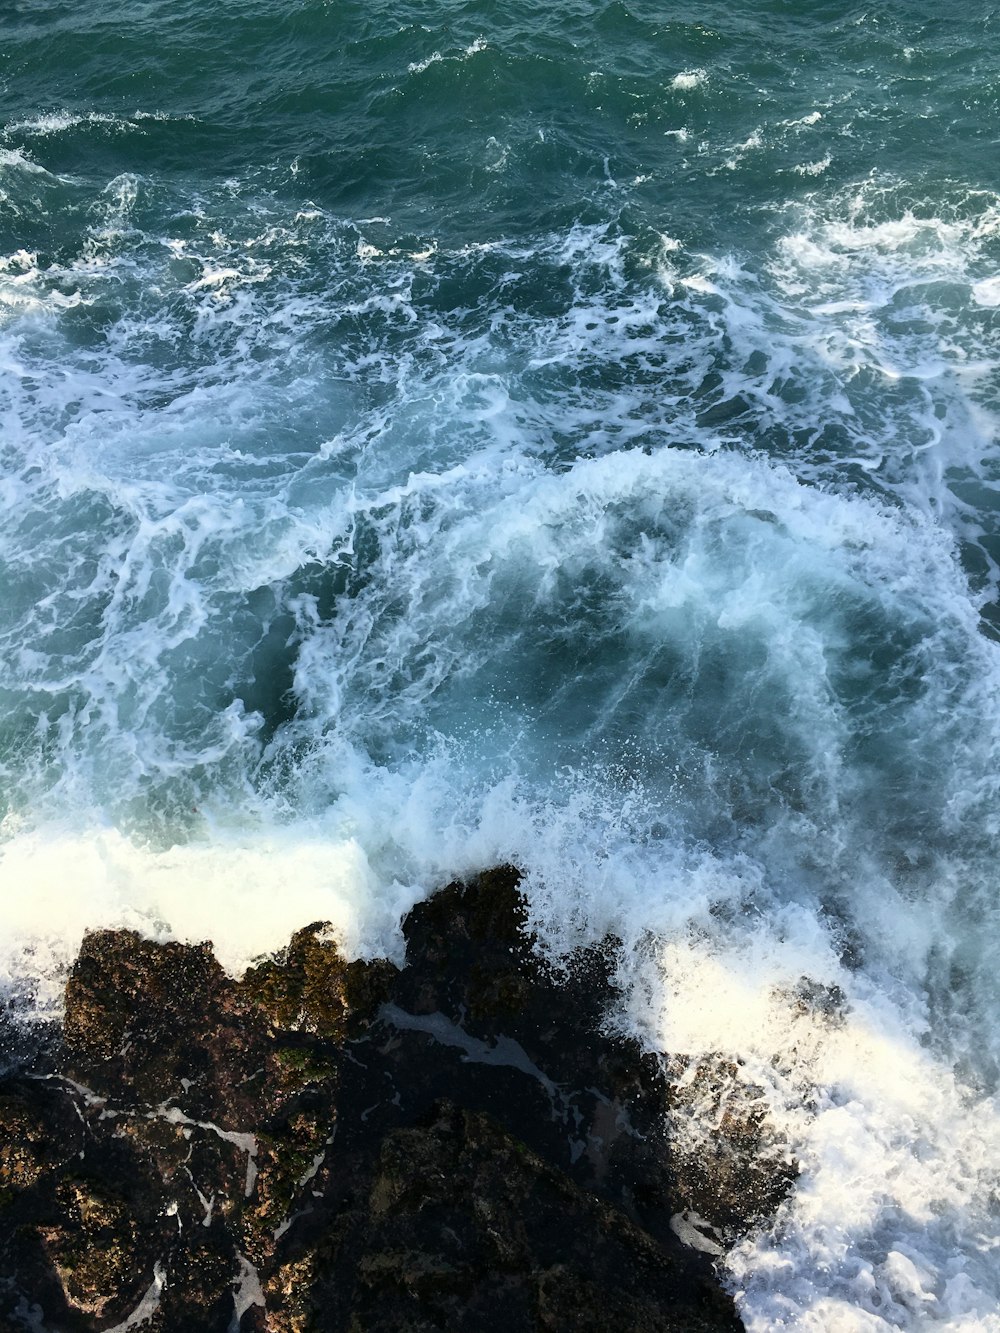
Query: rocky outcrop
(322,1145)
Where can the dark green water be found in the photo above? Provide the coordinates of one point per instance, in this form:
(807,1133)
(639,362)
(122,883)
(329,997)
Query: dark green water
(567,434)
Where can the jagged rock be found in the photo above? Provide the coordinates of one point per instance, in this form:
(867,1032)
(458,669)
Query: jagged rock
(25,1147)
(464,1228)
(94,1252)
(309,988)
(333,1147)
(146,1023)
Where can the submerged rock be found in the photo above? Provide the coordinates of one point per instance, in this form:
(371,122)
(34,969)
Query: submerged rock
(454,1145)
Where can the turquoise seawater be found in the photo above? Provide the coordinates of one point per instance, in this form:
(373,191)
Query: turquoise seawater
(434,435)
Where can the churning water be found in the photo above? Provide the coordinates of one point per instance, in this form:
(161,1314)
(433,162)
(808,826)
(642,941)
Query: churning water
(435,435)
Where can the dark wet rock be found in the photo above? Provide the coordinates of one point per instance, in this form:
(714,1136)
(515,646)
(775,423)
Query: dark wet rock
(148,1022)
(465,1228)
(735,1177)
(324,1145)
(24,1039)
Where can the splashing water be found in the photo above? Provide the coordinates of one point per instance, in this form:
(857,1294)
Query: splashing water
(547,442)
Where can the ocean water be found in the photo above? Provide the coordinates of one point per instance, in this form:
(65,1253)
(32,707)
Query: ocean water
(442,434)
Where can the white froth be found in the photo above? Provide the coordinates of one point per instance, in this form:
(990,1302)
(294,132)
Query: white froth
(55,122)
(895,1154)
(987,292)
(436,58)
(813,168)
(246,893)
(58,122)
(688,79)
(736,711)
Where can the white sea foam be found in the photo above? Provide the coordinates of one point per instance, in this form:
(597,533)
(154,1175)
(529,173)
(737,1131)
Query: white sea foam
(418,66)
(55,122)
(803,122)
(739,151)
(688,79)
(58,122)
(15,159)
(435,58)
(813,168)
(245,891)
(321,591)
(987,292)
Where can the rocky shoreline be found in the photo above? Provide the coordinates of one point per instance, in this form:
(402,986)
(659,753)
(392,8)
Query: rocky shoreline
(459,1144)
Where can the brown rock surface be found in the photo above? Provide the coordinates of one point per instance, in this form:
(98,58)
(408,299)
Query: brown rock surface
(326,1145)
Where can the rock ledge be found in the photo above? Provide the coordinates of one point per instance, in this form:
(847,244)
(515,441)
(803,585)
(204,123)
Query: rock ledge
(455,1145)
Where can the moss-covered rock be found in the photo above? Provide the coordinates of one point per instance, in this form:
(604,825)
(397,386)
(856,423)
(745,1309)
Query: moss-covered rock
(96,1249)
(26,1146)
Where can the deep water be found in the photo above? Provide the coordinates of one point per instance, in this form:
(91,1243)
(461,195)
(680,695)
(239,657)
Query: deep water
(439,435)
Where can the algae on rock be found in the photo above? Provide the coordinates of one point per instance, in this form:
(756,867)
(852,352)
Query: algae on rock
(327,1145)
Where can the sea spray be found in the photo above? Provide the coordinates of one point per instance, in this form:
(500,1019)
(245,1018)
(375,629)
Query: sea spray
(428,444)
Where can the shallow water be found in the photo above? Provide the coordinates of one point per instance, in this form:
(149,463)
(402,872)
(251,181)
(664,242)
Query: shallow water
(439,437)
